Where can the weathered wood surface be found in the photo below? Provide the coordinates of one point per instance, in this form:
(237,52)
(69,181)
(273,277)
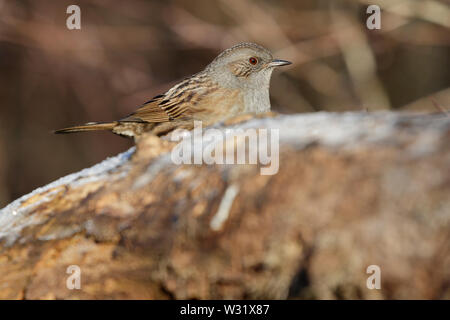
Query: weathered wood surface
(352,190)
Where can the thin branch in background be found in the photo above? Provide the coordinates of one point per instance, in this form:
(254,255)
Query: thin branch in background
(439,107)
(255,20)
(361,63)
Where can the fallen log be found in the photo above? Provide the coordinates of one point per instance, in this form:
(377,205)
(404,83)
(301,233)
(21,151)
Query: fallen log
(358,209)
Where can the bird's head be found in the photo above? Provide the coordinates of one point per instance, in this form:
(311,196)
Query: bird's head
(246,65)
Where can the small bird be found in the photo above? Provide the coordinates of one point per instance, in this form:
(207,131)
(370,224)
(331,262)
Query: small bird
(235,82)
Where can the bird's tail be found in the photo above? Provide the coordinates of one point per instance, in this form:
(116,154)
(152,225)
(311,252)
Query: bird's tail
(92,126)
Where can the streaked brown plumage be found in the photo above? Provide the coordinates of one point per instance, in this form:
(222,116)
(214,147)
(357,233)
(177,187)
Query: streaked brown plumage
(236,82)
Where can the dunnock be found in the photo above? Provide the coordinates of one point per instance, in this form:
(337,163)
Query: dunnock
(235,82)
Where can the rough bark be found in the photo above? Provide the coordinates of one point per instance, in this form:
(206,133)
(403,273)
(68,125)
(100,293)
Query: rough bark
(353,190)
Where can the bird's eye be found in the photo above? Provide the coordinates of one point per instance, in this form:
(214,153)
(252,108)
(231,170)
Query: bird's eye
(253,60)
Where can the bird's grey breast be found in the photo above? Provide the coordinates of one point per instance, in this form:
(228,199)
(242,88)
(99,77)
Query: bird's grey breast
(257,100)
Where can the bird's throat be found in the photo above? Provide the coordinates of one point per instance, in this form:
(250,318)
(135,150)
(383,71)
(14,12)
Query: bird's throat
(257,100)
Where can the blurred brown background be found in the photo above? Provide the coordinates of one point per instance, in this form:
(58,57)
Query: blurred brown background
(129,51)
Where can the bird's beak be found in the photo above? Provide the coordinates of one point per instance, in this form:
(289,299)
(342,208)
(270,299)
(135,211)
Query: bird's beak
(279,63)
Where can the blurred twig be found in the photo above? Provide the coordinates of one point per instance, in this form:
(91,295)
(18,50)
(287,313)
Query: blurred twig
(439,107)
(361,64)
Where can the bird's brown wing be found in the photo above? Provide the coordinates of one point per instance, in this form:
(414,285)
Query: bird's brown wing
(179,102)
(149,112)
